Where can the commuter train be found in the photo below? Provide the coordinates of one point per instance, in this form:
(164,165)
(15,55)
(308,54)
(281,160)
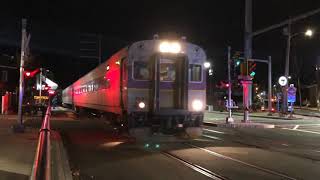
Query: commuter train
(155,84)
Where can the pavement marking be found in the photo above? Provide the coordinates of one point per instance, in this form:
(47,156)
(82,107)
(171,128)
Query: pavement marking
(196,167)
(302,130)
(212,137)
(242,162)
(295,127)
(210,130)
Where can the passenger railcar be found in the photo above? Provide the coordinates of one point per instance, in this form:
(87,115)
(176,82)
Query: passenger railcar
(155,84)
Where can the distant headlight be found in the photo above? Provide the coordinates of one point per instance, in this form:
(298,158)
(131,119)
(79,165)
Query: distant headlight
(141,105)
(169,47)
(197,105)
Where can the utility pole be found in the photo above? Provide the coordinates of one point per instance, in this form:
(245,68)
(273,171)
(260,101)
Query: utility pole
(246,81)
(270,85)
(229,119)
(286,70)
(24,45)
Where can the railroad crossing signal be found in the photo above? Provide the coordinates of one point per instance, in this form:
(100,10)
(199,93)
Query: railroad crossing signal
(252,68)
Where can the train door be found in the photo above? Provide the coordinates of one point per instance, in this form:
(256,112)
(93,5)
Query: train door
(170,83)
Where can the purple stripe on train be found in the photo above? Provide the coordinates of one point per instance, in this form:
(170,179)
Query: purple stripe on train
(164,85)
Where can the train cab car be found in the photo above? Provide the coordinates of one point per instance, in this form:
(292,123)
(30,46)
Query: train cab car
(156,84)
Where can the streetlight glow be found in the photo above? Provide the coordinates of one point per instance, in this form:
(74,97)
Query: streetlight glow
(309,33)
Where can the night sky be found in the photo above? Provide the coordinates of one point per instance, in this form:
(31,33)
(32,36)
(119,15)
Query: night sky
(58,27)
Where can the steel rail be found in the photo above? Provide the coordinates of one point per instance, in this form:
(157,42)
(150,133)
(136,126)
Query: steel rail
(42,162)
(195,167)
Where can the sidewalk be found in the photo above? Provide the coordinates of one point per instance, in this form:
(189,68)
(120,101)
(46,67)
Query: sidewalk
(258,115)
(17,150)
(308,112)
(218,119)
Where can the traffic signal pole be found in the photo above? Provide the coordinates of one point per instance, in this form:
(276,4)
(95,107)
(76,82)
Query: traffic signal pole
(229,119)
(270,85)
(246,80)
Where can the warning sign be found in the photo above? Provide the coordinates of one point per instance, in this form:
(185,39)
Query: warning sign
(40,97)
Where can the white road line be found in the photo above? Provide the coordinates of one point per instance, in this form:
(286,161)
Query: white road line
(242,162)
(302,130)
(212,137)
(296,127)
(210,130)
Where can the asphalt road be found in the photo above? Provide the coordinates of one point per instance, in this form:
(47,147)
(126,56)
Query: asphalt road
(97,151)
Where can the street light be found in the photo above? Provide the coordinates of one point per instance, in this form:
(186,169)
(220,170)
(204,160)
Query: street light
(308,33)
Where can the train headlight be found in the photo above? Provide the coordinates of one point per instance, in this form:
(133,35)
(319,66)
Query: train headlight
(141,105)
(169,47)
(197,105)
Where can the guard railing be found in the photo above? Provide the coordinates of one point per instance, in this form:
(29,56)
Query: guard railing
(42,167)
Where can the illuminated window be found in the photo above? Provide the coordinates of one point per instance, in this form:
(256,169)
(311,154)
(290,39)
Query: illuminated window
(195,72)
(167,72)
(141,70)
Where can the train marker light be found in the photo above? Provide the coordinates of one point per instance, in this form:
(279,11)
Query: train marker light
(157,145)
(207,65)
(147,145)
(166,47)
(142,105)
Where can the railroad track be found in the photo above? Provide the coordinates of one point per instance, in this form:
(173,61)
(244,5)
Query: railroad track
(195,167)
(213,153)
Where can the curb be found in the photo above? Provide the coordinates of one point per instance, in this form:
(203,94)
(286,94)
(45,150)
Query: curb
(241,125)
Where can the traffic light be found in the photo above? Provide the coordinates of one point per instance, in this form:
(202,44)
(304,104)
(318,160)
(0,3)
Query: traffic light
(236,58)
(237,62)
(252,68)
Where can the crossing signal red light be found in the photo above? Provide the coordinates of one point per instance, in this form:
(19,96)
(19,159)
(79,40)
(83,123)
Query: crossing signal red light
(27,73)
(51,92)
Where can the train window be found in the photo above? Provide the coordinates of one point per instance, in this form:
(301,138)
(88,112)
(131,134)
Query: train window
(141,70)
(195,72)
(167,72)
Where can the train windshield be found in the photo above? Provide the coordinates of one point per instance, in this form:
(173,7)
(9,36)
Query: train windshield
(167,71)
(141,70)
